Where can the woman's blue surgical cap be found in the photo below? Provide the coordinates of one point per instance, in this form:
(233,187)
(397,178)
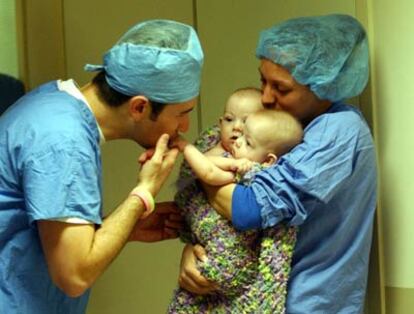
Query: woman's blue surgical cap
(327,53)
(160,59)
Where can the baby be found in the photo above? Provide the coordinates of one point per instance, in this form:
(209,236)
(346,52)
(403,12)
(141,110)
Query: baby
(255,140)
(267,134)
(240,104)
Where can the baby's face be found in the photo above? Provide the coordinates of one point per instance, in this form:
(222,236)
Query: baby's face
(232,122)
(253,144)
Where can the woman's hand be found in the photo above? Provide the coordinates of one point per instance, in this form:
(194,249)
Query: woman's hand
(190,278)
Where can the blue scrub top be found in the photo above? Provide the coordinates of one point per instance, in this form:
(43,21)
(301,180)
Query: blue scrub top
(50,168)
(327,186)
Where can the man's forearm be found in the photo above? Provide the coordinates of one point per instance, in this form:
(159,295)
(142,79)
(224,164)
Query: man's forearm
(91,250)
(114,233)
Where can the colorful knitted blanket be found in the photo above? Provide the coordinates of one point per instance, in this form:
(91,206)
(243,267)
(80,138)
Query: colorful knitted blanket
(250,268)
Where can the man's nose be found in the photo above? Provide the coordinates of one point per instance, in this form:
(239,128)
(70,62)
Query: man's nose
(269,99)
(184,124)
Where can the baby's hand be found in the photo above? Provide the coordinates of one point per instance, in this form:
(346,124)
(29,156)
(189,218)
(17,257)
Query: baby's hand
(179,142)
(242,165)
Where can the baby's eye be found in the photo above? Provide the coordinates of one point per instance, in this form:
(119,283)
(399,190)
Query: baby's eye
(228,119)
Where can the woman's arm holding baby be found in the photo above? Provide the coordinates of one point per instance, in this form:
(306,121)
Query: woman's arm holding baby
(220,198)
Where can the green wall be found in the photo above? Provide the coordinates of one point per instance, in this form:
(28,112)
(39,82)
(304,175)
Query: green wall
(400,300)
(8,39)
(392,50)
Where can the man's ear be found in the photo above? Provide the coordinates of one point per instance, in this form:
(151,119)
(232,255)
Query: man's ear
(270,159)
(139,107)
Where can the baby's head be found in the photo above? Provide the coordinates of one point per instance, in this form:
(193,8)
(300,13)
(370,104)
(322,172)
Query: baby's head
(267,135)
(240,104)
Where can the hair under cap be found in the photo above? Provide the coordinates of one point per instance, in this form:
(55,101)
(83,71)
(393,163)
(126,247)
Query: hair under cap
(160,59)
(327,53)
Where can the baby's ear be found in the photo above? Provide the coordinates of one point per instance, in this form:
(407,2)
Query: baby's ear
(270,159)
(220,120)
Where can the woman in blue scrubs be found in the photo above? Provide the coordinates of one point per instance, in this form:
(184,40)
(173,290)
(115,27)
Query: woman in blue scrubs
(327,184)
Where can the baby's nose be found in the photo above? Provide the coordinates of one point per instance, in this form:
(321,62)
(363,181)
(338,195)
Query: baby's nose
(238,125)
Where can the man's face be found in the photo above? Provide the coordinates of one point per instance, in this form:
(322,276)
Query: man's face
(172,120)
(281,91)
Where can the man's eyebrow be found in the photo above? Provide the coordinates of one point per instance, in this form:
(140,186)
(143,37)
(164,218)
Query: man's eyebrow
(187,111)
(279,81)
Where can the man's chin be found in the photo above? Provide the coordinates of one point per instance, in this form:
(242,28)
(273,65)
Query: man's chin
(145,145)
(148,145)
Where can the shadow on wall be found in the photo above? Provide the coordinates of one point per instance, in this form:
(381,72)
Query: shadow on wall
(11,89)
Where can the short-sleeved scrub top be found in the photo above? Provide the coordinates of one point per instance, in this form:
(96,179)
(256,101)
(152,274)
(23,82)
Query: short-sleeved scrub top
(50,169)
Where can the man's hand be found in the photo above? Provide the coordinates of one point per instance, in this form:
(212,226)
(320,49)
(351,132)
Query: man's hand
(162,224)
(190,278)
(154,171)
(145,156)
(178,142)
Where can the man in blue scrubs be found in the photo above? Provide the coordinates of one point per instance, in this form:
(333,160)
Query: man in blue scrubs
(54,242)
(327,184)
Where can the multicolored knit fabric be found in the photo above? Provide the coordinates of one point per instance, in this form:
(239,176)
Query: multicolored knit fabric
(250,268)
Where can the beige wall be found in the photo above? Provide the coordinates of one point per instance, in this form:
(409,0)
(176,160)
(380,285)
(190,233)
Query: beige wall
(40,41)
(392,50)
(8,39)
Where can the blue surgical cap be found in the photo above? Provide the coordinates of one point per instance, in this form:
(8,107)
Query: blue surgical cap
(327,53)
(160,59)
